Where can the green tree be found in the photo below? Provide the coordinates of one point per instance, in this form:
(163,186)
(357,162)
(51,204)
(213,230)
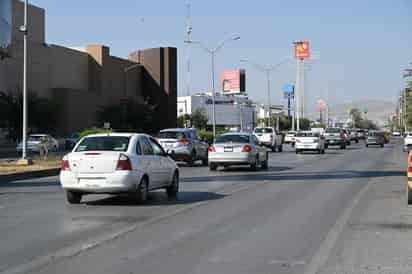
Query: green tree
(304,124)
(199,118)
(184,120)
(356,117)
(42,113)
(128,115)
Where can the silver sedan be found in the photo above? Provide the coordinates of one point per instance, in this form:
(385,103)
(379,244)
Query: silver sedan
(238,149)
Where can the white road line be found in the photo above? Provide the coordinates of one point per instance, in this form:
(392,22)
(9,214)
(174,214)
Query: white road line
(321,256)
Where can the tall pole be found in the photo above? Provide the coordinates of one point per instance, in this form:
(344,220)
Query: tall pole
(297,95)
(25,30)
(212,53)
(302,86)
(268,86)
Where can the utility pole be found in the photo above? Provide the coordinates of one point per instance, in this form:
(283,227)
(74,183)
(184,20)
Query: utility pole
(24,30)
(189,40)
(212,52)
(298,98)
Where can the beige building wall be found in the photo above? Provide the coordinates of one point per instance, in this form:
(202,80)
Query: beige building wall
(84,79)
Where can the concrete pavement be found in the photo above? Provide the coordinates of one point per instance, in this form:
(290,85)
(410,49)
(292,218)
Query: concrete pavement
(237,221)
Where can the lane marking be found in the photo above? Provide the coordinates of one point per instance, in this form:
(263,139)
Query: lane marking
(75,250)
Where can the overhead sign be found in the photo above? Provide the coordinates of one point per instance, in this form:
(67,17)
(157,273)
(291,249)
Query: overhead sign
(5,27)
(302,50)
(289,91)
(233,81)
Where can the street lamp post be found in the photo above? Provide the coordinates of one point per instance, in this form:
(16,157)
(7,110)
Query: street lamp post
(267,71)
(212,52)
(24,30)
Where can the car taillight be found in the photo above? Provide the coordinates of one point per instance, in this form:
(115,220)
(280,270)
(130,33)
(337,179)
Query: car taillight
(246,148)
(410,164)
(184,141)
(65,165)
(123,163)
(211,149)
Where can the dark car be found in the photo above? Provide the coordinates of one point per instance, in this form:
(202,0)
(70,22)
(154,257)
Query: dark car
(376,138)
(71,140)
(335,137)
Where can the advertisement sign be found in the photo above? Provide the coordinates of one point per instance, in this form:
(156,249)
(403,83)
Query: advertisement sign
(288,91)
(302,50)
(5,27)
(322,105)
(233,81)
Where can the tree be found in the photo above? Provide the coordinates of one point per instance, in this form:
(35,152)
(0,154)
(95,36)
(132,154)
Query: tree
(184,120)
(356,117)
(199,118)
(42,113)
(128,115)
(304,124)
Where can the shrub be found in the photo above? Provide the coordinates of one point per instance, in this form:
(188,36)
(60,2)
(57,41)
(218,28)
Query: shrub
(93,130)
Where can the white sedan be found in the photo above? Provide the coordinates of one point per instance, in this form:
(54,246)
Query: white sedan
(309,140)
(118,163)
(34,141)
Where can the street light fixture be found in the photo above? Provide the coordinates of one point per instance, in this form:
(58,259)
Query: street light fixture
(24,30)
(267,71)
(212,52)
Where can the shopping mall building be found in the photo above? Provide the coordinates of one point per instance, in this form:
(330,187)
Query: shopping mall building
(83,79)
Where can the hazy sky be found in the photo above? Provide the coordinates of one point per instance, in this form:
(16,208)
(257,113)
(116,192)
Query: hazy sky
(362,45)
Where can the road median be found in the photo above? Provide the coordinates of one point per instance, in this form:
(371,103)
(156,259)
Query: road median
(11,171)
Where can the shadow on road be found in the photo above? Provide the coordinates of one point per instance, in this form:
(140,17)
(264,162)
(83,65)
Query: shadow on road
(157,198)
(296,176)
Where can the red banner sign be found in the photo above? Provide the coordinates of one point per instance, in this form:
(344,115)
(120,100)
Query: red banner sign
(302,50)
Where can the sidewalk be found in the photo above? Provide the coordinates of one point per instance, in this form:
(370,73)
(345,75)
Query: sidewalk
(378,236)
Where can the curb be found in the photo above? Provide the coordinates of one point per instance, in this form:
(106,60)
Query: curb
(29,175)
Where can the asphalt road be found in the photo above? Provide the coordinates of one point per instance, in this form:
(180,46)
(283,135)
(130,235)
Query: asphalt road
(234,221)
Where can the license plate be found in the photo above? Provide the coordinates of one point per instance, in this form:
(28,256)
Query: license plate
(228,149)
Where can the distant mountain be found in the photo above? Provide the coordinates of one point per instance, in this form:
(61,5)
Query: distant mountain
(378,110)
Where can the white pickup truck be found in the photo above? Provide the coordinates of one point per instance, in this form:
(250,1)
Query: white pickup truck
(269,138)
(407,142)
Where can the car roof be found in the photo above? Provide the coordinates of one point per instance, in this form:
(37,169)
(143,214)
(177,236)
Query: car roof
(117,134)
(237,133)
(39,135)
(177,129)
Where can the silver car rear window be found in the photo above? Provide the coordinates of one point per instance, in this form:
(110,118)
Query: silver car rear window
(243,139)
(264,130)
(172,135)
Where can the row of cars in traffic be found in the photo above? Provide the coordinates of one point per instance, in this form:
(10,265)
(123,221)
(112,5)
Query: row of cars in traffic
(114,163)
(132,163)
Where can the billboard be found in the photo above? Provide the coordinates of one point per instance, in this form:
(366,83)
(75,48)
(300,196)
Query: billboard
(233,81)
(5,27)
(289,91)
(302,50)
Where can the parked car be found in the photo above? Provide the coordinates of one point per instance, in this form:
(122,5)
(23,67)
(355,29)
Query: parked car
(71,140)
(270,138)
(118,163)
(361,134)
(35,140)
(290,138)
(353,135)
(238,149)
(375,138)
(407,142)
(335,137)
(396,134)
(346,135)
(185,143)
(309,141)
